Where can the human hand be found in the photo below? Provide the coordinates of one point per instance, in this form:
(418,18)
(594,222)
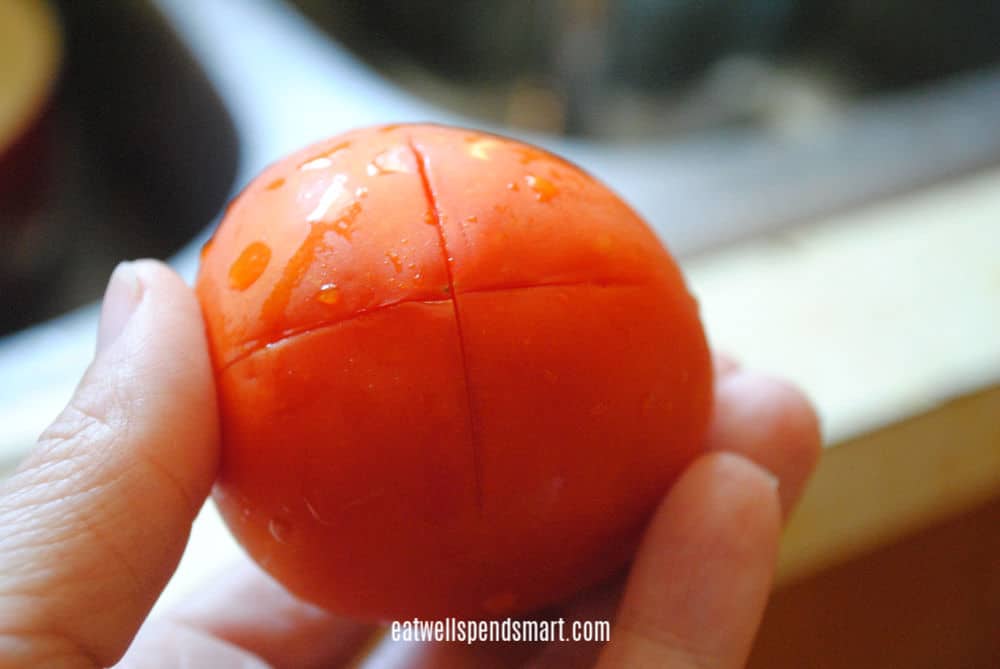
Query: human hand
(93,523)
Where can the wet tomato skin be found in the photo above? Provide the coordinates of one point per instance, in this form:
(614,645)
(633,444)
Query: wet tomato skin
(456,374)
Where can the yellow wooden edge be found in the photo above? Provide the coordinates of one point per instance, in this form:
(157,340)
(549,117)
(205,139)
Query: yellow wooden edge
(888,317)
(879,487)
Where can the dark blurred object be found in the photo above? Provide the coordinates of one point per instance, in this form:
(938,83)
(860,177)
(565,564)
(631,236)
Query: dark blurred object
(142,155)
(929,601)
(30,56)
(656,45)
(631,69)
(650,43)
(906,42)
(468,41)
(560,66)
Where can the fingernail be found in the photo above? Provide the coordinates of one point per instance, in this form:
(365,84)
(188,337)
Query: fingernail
(121,297)
(771,478)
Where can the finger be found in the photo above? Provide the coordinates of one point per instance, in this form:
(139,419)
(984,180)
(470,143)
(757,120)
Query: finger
(724,364)
(248,609)
(173,645)
(701,579)
(95,519)
(448,655)
(390,654)
(595,605)
(770,422)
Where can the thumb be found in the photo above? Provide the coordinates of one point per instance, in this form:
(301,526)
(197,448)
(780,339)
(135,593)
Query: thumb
(93,522)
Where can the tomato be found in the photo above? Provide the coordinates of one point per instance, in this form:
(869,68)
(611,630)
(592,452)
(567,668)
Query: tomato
(455,372)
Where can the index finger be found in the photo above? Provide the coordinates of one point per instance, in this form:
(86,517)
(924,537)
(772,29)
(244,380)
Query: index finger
(770,422)
(700,582)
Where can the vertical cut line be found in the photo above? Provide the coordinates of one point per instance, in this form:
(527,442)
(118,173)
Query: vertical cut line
(442,239)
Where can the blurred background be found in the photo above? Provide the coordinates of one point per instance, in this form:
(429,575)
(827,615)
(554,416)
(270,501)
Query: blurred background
(650,70)
(828,172)
(716,119)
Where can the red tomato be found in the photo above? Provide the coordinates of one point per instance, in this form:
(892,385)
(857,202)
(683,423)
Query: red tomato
(455,372)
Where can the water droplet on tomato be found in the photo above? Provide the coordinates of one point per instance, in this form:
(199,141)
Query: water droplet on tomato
(328,510)
(276,184)
(280,529)
(343,228)
(249,266)
(298,265)
(328,293)
(316,164)
(430,218)
(322,161)
(471,219)
(393,257)
(314,509)
(513,186)
(361,192)
(332,195)
(398,159)
(544,189)
(480,147)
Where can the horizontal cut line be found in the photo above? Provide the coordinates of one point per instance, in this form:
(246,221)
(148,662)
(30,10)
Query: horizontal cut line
(364,312)
(553,284)
(323,325)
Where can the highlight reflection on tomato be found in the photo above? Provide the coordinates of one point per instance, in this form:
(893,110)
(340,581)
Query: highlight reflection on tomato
(456,373)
